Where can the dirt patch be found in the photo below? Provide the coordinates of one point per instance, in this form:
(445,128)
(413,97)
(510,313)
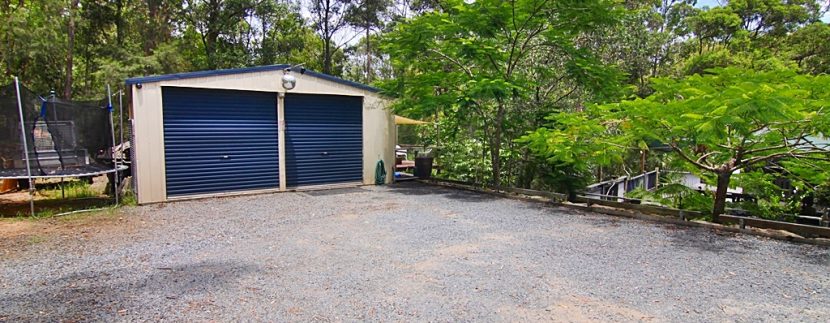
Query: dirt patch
(444,255)
(18,234)
(21,208)
(578,309)
(369,208)
(49,198)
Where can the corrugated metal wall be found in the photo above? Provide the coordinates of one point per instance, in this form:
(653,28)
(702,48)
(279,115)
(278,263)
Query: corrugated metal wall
(219,140)
(323,139)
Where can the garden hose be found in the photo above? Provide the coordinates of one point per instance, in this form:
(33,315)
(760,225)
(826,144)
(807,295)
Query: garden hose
(380,173)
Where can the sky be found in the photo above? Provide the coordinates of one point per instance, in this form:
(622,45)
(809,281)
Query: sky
(712,3)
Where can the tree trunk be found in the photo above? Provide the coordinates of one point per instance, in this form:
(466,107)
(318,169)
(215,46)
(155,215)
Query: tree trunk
(495,158)
(368,57)
(495,145)
(720,195)
(119,23)
(327,57)
(212,32)
(327,39)
(211,39)
(150,32)
(70,51)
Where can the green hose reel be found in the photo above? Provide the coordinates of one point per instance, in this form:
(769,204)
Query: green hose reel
(380,173)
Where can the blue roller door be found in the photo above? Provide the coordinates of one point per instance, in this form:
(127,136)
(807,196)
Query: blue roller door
(323,139)
(219,140)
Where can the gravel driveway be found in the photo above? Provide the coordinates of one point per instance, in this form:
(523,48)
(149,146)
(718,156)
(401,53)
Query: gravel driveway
(406,252)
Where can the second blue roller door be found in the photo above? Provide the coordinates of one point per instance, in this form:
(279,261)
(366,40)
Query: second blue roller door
(323,139)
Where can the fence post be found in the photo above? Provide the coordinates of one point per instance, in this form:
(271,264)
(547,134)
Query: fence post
(742,224)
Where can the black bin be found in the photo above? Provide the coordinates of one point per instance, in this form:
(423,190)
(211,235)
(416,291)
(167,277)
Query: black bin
(423,167)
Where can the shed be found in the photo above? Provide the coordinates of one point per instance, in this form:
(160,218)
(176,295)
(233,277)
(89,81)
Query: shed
(236,131)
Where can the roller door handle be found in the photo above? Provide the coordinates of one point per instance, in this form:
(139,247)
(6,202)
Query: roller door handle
(325,153)
(224,157)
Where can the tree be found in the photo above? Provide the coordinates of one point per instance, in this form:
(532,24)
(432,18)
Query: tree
(733,119)
(34,44)
(156,28)
(368,15)
(571,145)
(811,48)
(648,40)
(70,52)
(773,17)
(715,26)
(213,19)
(328,17)
(493,64)
(283,37)
(360,55)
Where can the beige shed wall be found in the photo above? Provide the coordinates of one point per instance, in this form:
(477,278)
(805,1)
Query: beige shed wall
(378,123)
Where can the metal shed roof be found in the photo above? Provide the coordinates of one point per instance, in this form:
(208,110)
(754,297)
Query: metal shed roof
(255,69)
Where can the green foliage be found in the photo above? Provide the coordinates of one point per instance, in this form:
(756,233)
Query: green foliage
(33,44)
(732,119)
(732,109)
(129,199)
(71,190)
(771,200)
(774,17)
(676,195)
(716,25)
(458,161)
(489,65)
(811,48)
(571,145)
(822,196)
(119,39)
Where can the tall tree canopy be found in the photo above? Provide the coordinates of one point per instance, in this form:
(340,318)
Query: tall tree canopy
(735,120)
(491,63)
(726,121)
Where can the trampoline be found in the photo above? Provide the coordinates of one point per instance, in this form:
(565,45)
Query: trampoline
(46,137)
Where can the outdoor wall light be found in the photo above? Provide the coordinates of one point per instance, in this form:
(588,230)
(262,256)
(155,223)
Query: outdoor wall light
(288,80)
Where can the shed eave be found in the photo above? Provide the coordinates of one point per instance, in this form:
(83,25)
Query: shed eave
(255,69)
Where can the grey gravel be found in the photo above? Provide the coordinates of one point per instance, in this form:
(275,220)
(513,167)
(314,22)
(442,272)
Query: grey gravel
(408,252)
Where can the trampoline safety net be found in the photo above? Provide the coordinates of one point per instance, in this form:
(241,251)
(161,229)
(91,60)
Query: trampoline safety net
(64,138)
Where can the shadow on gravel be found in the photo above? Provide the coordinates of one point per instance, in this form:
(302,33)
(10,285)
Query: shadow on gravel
(705,240)
(94,295)
(413,188)
(336,191)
